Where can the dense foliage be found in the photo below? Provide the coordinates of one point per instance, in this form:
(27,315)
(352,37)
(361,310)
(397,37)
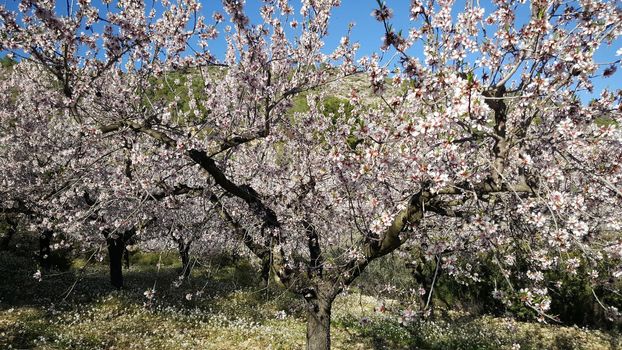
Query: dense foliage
(477,157)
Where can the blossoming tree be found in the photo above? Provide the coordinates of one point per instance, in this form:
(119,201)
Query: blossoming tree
(479,145)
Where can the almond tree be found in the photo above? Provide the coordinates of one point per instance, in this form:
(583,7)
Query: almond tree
(480,146)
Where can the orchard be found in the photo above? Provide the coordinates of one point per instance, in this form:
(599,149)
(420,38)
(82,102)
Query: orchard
(478,144)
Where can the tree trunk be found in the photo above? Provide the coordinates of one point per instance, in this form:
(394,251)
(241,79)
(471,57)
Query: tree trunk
(184,253)
(265,271)
(318,324)
(44,249)
(424,280)
(126,257)
(10,232)
(115,254)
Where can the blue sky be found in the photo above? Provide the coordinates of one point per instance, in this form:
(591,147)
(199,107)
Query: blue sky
(368,32)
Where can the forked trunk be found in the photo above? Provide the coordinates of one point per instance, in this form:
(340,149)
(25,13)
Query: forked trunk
(318,324)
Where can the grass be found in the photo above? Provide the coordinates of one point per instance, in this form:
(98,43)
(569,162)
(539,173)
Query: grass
(230,311)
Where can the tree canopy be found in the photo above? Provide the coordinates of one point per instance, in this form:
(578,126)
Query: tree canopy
(117,120)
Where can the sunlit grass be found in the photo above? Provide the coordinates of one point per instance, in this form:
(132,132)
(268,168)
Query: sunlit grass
(232,311)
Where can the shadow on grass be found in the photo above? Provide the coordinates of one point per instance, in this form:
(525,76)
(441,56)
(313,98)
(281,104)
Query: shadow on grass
(20,288)
(224,306)
(34,311)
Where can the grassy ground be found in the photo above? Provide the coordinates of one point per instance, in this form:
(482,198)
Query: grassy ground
(229,312)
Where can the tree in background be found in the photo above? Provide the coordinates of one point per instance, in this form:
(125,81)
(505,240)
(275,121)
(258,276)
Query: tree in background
(481,146)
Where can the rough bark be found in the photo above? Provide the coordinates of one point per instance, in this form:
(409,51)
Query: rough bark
(116,243)
(318,323)
(316,261)
(265,270)
(427,280)
(501,146)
